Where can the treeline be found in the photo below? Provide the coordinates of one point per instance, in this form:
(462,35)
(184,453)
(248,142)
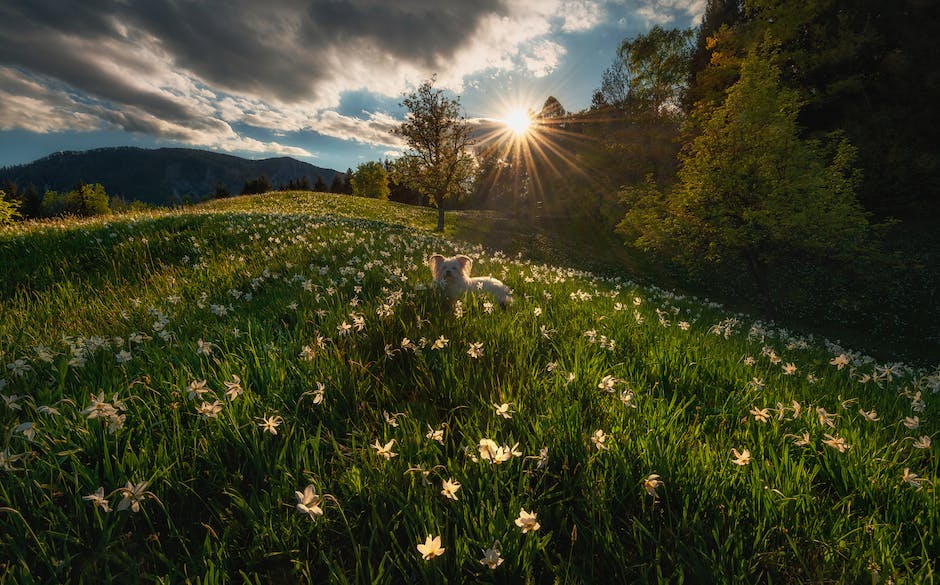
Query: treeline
(85,200)
(765,157)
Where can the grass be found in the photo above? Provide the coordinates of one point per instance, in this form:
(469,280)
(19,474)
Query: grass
(319,305)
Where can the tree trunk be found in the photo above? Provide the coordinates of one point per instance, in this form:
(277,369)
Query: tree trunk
(440,216)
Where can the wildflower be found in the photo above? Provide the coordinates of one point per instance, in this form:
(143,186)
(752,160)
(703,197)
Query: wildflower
(488,307)
(542,458)
(386,450)
(450,487)
(503,410)
(440,343)
(98,500)
(431,548)
(132,495)
(28,429)
(490,451)
(911,478)
(44,353)
(11,401)
(196,389)
(46,409)
(607,383)
(526,521)
(391,419)
(308,502)
(319,393)
(476,350)
(203,348)
(436,435)
(343,328)
(742,458)
(760,414)
(537,311)
(19,367)
(626,396)
(825,418)
(598,438)
(546,332)
(269,424)
(840,361)
(684,325)
(749,361)
(837,443)
(789,368)
(308,353)
(870,416)
(911,422)
(922,443)
(6,459)
(796,410)
(234,388)
(491,557)
(209,410)
(803,440)
(651,483)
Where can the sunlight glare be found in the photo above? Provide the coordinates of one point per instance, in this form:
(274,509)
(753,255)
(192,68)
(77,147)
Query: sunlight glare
(518,121)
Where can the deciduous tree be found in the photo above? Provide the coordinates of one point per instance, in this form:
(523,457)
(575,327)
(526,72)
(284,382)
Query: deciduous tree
(750,189)
(438,163)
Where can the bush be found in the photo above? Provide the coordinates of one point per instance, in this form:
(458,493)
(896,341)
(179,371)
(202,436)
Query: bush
(8,209)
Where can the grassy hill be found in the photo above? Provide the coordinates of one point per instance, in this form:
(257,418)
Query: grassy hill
(264,389)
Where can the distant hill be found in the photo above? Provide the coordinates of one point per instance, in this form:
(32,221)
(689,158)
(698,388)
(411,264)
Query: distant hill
(161,176)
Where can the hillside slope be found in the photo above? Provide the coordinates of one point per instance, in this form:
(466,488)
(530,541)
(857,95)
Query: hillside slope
(159,176)
(266,389)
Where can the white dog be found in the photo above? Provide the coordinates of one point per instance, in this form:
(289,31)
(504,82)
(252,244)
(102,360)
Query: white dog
(453,275)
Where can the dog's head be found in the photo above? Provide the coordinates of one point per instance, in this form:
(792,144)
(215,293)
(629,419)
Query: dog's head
(446,269)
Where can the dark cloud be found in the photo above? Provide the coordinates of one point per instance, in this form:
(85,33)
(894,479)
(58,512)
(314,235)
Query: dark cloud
(273,48)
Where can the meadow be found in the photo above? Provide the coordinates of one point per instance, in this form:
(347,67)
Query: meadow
(267,389)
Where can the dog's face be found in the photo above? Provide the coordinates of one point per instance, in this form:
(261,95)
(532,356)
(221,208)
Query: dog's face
(450,269)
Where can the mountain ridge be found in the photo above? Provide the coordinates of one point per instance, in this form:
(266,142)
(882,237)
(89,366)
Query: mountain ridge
(161,176)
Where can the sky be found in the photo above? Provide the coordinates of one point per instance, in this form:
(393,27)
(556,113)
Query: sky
(317,80)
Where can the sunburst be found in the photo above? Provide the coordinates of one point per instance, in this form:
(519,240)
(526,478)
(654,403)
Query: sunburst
(518,121)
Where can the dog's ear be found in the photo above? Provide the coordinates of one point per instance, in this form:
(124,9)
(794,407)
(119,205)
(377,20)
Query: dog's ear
(435,263)
(465,264)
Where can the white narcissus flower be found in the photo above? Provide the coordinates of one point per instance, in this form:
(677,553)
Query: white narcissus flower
(527,522)
(431,548)
(742,458)
(132,495)
(651,483)
(385,450)
(450,487)
(492,558)
(308,502)
(98,500)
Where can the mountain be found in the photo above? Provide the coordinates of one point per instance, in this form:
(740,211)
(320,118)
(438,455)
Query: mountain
(160,176)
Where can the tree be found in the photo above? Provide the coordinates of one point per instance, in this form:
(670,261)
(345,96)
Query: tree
(319,185)
(657,66)
(370,180)
(221,191)
(336,185)
(438,163)
(87,200)
(8,209)
(347,181)
(260,185)
(750,189)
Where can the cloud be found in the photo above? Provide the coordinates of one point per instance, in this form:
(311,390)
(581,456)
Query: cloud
(193,71)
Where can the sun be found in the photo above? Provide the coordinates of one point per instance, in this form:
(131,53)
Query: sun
(518,121)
